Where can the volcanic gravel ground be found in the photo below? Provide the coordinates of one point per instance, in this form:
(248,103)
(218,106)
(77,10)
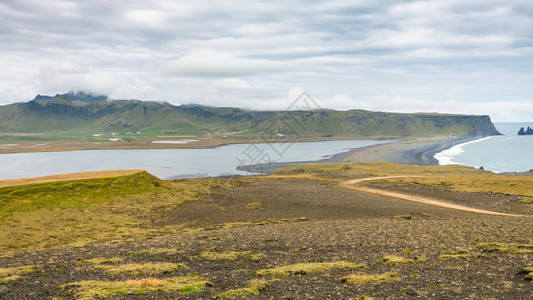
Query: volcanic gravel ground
(305,221)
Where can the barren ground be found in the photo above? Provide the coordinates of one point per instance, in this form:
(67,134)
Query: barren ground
(282,221)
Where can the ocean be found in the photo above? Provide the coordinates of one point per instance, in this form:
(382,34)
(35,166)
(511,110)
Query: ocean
(506,153)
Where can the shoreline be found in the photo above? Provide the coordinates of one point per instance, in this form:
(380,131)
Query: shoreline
(271,167)
(202,143)
(408,152)
(426,155)
(411,152)
(414,151)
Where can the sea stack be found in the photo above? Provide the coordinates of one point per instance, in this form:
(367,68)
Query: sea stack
(529,131)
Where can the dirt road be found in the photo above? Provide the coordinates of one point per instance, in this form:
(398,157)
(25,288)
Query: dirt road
(352,184)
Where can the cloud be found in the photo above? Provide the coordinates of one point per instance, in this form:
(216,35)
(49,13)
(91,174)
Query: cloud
(220,64)
(67,77)
(502,111)
(143,18)
(386,55)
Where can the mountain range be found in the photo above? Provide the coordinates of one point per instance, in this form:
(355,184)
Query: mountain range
(81,112)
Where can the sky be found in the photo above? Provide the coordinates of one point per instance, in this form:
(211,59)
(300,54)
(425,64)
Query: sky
(447,56)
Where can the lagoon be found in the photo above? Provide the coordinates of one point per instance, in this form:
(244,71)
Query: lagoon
(172,163)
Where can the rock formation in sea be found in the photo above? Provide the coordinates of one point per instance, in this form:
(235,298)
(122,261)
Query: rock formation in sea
(528,131)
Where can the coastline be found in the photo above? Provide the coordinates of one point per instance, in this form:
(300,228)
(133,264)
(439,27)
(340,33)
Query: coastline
(408,152)
(336,158)
(425,155)
(414,151)
(411,152)
(202,143)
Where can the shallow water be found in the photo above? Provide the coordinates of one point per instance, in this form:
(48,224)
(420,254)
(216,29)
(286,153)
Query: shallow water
(168,163)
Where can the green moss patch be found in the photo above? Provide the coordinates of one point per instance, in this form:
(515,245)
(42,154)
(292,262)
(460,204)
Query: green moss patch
(359,279)
(75,193)
(100,260)
(140,269)
(91,289)
(454,255)
(254,287)
(78,212)
(506,248)
(527,200)
(393,260)
(16,273)
(307,268)
(528,273)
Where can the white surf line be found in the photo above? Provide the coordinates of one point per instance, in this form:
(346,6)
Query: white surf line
(350,184)
(446,156)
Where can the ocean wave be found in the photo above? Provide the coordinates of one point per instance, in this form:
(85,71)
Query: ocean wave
(446,157)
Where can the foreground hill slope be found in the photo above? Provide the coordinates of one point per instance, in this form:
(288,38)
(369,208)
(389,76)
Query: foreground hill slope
(290,235)
(83,113)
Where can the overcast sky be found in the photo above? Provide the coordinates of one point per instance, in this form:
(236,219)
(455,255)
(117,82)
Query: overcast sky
(464,56)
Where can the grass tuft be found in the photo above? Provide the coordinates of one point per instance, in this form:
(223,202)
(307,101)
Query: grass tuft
(145,282)
(528,273)
(16,273)
(454,255)
(307,268)
(11,278)
(506,248)
(139,269)
(254,287)
(527,200)
(100,260)
(91,289)
(359,279)
(213,254)
(254,205)
(393,260)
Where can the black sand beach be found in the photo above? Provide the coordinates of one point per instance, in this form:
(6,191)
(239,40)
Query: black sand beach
(410,152)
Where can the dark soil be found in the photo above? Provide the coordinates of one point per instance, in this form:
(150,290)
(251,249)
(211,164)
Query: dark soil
(298,221)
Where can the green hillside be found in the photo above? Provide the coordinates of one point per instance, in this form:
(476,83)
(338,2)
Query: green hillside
(67,114)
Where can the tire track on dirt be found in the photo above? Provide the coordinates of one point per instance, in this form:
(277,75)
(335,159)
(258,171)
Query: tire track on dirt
(352,185)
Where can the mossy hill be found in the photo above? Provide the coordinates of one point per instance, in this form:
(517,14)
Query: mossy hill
(86,113)
(75,193)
